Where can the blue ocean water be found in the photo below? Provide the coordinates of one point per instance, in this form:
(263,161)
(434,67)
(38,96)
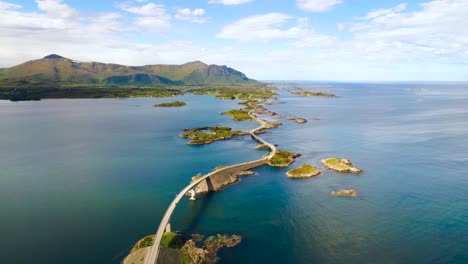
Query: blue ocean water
(82,180)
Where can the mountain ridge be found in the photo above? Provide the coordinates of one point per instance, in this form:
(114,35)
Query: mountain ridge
(56,69)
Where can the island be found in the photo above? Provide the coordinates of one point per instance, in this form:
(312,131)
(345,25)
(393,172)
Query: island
(283,158)
(304,171)
(238,114)
(346,193)
(208,135)
(171,104)
(302,92)
(178,248)
(340,165)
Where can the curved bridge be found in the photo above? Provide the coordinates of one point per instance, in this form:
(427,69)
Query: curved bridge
(164,226)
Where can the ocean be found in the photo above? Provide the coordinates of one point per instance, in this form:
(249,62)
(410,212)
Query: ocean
(82,180)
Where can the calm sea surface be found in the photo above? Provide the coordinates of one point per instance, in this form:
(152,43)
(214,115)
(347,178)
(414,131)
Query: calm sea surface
(82,180)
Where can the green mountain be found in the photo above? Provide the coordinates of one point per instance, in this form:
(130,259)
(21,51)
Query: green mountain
(55,69)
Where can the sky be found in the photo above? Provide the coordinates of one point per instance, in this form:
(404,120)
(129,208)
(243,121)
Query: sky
(329,40)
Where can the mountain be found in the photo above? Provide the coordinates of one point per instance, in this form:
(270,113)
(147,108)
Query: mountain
(55,69)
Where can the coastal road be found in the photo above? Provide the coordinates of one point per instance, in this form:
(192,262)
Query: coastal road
(152,256)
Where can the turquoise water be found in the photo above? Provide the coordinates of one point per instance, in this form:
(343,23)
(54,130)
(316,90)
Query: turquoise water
(82,180)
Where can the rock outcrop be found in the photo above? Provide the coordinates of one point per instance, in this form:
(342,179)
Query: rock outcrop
(340,165)
(347,193)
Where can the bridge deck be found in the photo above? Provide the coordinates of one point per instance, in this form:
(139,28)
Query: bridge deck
(152,256)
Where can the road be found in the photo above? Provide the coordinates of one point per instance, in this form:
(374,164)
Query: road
(152,256)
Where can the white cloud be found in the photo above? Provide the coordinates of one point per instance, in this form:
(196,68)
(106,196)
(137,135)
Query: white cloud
(263,27)
(195,15)
(56,8)
(437,32)
(6,6)
(392,43)
(385,11)
(229,2)
(152,17)
(149,9)
(317,5)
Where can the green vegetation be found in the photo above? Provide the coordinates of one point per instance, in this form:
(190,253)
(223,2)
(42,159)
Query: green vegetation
(55,69)
(340,165)
(236,92)
(282,158)
(147,241)
(334,162)
(171,240)
(171,104)
(198,176)
(207,135)
(37,93)
(304,169)
(238,114)
(301,92)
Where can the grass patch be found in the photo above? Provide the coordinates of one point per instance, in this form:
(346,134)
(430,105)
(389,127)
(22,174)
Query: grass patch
(336,163)
(147,241)
(201,136)
(171,240)
(304,169)
(282,157)
(171,104)
(238,114)
(301,92)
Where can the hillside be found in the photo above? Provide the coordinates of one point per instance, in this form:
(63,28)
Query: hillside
(55,69)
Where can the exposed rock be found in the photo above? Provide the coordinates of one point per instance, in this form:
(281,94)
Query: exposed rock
(260,110)
(194,249)
(269,125)
(348,193)
(202,187)
(227,179)
(214,243)
(263,146)
(340,165)
(346,161)
(192,254)
(246,173)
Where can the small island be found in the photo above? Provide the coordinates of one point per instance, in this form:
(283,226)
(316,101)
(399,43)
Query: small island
(340,165)
(302,92)
(283,158)
(345,193)
(304,171)
(238,114)
(183,248)
(171,104)
(207,135)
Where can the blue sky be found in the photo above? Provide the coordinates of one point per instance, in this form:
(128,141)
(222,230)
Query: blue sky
(340,40)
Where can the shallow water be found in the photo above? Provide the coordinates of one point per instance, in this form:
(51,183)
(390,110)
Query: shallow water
(82,180)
